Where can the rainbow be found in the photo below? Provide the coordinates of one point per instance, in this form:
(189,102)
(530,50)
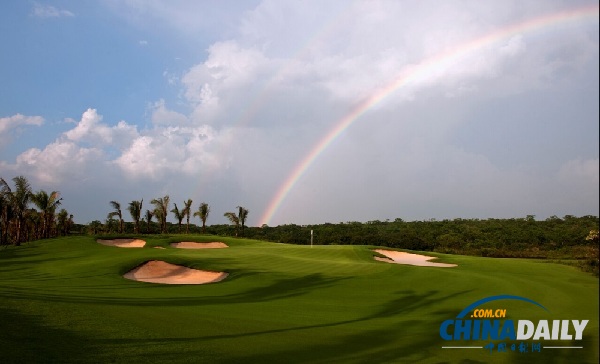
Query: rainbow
(437,62)
(262,97)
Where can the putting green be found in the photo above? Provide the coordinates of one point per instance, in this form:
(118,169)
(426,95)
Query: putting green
(65,300)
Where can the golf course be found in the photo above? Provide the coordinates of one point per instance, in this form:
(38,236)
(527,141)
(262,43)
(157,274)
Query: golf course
(66,300)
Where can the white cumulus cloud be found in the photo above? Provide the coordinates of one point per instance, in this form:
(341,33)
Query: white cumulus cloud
(92,131)
(175,150)
(58,162)
(11,122)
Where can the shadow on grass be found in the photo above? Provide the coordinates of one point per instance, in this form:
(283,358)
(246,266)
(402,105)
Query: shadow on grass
(380,337)
(15,258)
(279,289)
(406,304)
(25,339)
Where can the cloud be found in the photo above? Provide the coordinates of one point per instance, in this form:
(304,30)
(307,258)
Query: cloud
(580,172)
(166,151)
(363,51)
(94,156)
(490,130)
(12,122)
(161,115)
(184,18)
(77,153)
(228,68)
(92,131)
(288,78)
(58,162)
(48,11)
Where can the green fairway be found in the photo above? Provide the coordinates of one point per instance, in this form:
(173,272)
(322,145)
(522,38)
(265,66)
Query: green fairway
(65,300)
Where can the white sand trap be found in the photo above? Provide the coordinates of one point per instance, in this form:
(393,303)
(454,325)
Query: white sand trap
(156,271)
(123,243)
(408,258)
(194,245)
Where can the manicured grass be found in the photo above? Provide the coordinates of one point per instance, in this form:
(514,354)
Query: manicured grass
(64,300)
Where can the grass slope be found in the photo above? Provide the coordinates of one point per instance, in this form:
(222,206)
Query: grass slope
(64,300)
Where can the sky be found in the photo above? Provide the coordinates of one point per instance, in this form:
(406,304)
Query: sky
(305,112)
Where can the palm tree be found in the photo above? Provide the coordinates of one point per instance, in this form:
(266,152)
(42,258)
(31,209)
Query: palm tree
(187,210)
(234,219)
(47,205)
(6,216)
(111,225)
(202,213)
(159,219)
(149,216)
(34,229)
(70,223)
(135,210)
(63,222)
(117,212)
(18,201)
(161,206)
(242,215)
(95,227)
(179,215)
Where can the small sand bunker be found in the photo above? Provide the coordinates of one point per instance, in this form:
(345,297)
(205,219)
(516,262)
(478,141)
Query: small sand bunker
(408,258)
(156,271)
(123,243)
(194,245)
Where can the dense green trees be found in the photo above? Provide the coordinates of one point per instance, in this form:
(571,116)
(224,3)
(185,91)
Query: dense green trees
(17,202)
(47,203)
(569,237)
(19,222)
(95,227)
(555,238)
(64,222)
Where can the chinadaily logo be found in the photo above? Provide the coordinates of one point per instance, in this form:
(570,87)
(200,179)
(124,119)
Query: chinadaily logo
(490,329)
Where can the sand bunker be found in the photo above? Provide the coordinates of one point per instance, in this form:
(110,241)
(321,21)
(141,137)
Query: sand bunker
(123,243)
(156,271)
(408,258)
(194,245)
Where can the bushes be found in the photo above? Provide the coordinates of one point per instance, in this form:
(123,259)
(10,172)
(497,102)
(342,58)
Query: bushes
(553,238)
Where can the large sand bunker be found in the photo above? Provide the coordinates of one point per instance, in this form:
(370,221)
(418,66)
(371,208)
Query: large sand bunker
(156,271)
(123,243)
(408,258)
(194,245)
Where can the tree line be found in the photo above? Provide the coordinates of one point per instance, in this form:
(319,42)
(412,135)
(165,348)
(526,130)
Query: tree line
(27,215)
(20,222)
(568,238)
(160,213)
